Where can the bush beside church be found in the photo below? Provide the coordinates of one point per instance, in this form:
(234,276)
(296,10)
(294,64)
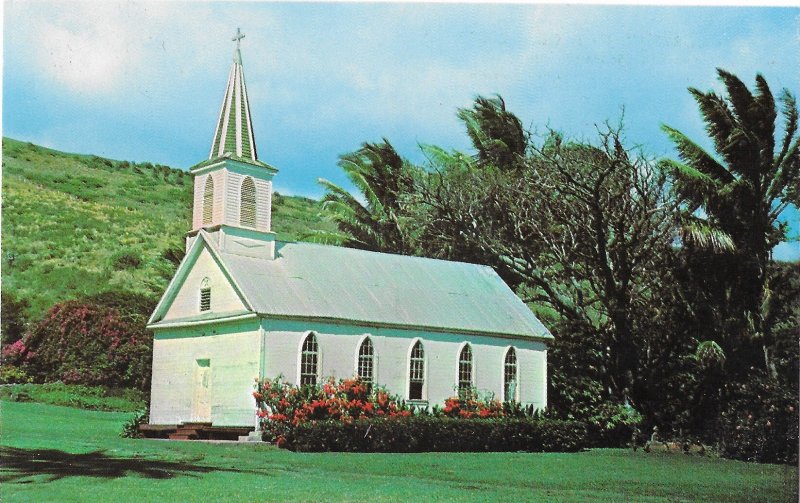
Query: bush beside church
(348,416)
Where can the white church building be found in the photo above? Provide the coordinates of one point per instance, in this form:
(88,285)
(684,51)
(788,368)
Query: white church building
(244,306)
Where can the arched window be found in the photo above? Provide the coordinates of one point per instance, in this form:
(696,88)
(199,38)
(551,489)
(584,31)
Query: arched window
(309,360)
(208,201)
(205,295)
(510,376)
(247,210)
(366,362)
(416,372)
(465,372)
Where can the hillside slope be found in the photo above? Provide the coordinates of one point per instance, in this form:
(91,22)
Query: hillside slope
(79,224)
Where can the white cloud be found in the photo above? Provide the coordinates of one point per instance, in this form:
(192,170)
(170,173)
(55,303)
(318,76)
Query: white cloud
(84,46)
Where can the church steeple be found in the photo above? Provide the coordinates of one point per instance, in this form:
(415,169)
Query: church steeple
(234,133)
(232,188)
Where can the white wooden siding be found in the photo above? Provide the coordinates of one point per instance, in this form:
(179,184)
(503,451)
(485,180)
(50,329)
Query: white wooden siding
(234,354)
(197,207)
(187,301)
(338,347)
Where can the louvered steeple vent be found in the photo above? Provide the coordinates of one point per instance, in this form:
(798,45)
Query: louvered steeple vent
(234,133)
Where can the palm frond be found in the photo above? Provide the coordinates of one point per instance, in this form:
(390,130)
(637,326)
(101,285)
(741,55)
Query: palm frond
(744,104)
(710,354)
(694,155)
(766,105)
(790,115)
(721,123)
(704,236)
(324,237)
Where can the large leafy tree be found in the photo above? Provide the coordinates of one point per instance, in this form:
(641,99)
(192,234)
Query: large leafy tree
(377,219)
(734,200)
(588,228)
(583,231)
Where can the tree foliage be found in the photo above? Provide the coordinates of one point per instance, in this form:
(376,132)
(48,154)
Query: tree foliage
(377,219)
(496,133)
(741,193)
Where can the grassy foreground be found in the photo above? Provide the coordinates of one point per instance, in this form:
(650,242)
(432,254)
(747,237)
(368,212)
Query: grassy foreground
(52,453)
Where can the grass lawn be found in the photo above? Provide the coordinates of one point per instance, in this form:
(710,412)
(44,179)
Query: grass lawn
(52,453)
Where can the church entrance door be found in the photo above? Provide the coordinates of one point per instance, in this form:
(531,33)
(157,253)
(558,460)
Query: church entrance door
(201,406)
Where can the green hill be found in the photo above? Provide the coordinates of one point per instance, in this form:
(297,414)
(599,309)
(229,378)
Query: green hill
(80,224)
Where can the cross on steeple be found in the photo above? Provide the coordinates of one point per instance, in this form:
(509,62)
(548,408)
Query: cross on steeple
(238,37)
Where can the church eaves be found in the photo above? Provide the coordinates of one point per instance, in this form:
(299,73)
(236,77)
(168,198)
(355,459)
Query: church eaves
(233,136)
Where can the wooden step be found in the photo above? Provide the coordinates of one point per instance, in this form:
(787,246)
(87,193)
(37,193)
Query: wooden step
(188,431)
(176,436)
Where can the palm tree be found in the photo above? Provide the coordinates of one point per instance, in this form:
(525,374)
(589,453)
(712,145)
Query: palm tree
(377,220)
(734,199)
(496,133)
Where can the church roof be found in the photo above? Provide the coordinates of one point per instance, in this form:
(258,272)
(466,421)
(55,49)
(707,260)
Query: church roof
(308,280)
(233,136)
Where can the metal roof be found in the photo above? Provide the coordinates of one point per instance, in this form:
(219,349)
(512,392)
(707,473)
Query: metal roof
(318,281)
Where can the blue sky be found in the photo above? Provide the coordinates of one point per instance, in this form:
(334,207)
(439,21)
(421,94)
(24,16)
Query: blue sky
(143,81)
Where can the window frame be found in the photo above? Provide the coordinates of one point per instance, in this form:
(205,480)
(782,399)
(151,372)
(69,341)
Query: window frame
(420,369)
(361,358)
(315,355)
(511,350)
(465,368)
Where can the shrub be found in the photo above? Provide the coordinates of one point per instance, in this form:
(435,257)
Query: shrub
(13,319)
(83,342)
(79,396)
(131,427)
(347,416)
(282,406)
(760,423)
(438,434)
(126,259)
(9,374)
(173,254)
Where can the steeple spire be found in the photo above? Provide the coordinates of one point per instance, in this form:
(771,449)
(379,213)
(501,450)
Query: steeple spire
(234,132)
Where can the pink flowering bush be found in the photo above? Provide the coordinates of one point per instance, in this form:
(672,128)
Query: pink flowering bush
(82,342)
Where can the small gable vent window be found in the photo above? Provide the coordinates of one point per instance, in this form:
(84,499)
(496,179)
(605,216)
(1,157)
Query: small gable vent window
(510,376)
(247,211)
(465,373)
(205,295)
(208,201)
(416,372)
(366,361)
(309,360)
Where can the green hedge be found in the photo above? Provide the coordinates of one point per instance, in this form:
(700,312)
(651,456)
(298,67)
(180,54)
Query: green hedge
(438,434)
(76,395)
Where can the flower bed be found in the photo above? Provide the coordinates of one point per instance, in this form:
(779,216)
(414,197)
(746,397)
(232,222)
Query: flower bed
(346,416)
